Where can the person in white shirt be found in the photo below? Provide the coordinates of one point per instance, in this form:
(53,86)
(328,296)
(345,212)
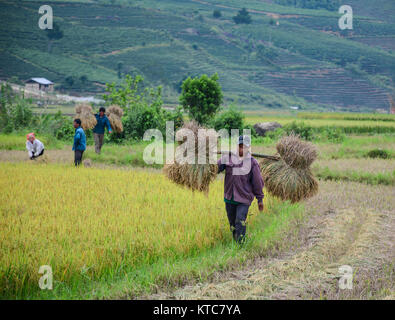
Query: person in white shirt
(34,146)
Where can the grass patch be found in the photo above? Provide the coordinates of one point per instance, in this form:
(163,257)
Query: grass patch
(319,125)
(125,155)
(386,178)
(17,141)
(357,146)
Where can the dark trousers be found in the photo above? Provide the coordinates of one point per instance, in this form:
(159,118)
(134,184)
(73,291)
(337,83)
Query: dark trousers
(33,156)
(78,157)
(237,216)
(98,142)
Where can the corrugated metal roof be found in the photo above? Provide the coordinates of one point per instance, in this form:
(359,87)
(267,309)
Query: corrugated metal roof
(40,80)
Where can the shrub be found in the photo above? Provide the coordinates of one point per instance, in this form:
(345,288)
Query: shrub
(300,128)
(229,119)
(253,132)
(275,134)
(145,117)
(15,111)
(142,107)
(242,17)
(21,114)
(217,14)
(332,134)
(55,125)
(378,153)
(142,118)
(176,116)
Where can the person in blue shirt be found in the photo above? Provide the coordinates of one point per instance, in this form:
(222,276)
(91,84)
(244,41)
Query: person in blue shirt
(79,144)
(98,130)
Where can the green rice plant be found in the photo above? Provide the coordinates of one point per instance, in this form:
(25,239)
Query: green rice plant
(387,178)
(346,116)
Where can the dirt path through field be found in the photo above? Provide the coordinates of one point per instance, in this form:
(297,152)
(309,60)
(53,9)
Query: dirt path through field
(350,224)
(65,155)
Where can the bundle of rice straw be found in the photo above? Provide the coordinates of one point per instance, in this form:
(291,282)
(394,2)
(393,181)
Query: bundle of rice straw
(290,177)
(295,152)
(187,170)
(85,114)
(114,114)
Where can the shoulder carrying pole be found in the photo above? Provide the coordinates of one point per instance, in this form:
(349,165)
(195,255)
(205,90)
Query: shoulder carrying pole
(258,155)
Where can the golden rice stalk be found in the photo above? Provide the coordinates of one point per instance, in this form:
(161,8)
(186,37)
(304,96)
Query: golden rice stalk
(193,176)
(79,107)
(85,114)
(286,182)
(83,108)
(114,114)
(188,171)
(296,153)
(115,122)
(117,110)
(87,121)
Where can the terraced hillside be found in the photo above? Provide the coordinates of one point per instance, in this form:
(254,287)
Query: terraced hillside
(286,56)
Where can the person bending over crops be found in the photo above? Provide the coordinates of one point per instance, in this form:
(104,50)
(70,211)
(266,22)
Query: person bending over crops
(79,144)
(98,130)
(243,182)
(34,147)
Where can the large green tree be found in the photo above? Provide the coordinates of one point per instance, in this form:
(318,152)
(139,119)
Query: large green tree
(201,97)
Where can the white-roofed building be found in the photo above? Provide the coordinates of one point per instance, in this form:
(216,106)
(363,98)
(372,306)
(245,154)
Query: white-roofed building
(39,84)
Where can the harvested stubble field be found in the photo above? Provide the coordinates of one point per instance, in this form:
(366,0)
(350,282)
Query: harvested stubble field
(349,224)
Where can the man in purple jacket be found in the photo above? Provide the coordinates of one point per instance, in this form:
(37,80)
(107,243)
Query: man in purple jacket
(243,182)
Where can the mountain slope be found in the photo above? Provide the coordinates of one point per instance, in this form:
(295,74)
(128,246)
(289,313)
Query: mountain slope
(286,56)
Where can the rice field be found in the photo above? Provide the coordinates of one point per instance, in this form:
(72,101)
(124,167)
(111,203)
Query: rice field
(112,231)
(94,223)
(346,116)
(366,165)
(348,126)
(353,147)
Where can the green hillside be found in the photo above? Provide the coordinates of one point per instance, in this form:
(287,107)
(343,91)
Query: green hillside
(288,55)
